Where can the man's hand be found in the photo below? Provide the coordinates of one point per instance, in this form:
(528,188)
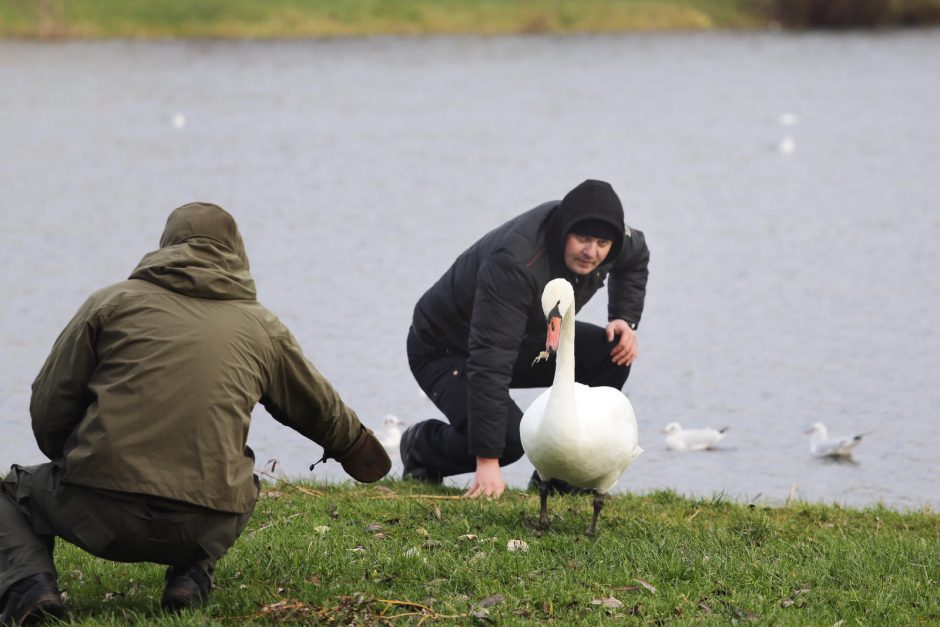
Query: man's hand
(624,352)
(488,481)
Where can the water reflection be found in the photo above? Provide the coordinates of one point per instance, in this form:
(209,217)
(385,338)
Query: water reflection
(784,288)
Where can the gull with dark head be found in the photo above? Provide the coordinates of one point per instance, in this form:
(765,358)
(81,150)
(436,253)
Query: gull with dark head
(821,444)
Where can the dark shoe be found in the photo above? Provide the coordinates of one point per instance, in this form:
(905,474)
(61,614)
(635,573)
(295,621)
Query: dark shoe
(557,486)
(186,590)
(31,600)
(411,461)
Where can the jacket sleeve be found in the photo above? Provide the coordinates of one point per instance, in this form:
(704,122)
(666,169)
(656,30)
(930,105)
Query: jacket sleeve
(60,393)
(497,324)
(299,397)
(626,289)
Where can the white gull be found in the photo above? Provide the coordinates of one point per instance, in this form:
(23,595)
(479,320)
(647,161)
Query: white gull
(390,436)
(679,439)
(821,445)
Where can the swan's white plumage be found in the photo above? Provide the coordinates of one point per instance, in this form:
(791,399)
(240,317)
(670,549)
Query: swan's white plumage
(586,436)
(679,439)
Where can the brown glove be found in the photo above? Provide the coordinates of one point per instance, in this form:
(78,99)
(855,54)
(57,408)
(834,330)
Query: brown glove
(365,460)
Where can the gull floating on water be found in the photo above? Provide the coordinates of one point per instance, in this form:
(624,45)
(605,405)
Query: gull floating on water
(787,145)
(679,439)
(390,436)
(787,119)
(821,445)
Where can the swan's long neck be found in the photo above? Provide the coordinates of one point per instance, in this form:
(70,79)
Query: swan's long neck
(562,396)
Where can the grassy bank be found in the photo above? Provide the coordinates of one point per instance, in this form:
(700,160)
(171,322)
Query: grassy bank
(332,18)
(401,552)
(328,18)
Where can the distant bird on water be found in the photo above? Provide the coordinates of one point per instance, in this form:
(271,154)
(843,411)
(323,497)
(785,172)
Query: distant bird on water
(390,436)
(178,121)
(787,119)
(679,439)
(787,145)
(821,445)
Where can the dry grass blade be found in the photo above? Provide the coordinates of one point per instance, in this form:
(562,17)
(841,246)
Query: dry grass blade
(424,612)
(436,497)
(307,491)
(271,524)
(284,611)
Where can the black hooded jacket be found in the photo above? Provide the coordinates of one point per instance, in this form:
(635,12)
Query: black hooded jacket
(490,298)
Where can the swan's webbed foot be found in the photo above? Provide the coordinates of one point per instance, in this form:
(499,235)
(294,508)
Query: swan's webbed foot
(598,506)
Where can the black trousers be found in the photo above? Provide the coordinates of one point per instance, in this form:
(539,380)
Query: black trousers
(36,507)
(442,447)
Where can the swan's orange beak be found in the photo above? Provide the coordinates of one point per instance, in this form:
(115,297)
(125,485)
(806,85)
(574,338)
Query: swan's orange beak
(554,331)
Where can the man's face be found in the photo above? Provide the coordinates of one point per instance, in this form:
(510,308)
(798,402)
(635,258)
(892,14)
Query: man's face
(584,253)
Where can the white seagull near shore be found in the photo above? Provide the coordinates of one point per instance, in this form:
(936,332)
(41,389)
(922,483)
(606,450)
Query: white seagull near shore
(679,439)
(821,445)
(390,436)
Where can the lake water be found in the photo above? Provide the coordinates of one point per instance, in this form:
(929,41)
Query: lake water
(787,185)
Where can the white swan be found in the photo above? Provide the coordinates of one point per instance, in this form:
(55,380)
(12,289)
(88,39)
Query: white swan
(586,436)
(679,439)
(821,445)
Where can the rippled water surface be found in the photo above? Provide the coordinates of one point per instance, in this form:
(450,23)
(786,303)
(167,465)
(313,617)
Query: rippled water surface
(787,185)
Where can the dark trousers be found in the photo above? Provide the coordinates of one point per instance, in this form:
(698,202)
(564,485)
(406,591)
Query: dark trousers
(36,507)
(441,447)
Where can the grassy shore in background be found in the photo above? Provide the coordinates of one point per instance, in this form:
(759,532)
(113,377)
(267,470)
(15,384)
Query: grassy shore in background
(405,552)
(327,18)
(50,19)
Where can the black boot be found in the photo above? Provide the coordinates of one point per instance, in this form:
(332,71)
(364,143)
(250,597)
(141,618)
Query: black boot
(411,459)
(32,599)
(186,588)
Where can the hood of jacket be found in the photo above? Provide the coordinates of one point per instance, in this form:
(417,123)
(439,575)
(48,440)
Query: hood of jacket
(201,255)
(591,200)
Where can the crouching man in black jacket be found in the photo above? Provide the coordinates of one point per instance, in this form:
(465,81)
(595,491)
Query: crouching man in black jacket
(477,330)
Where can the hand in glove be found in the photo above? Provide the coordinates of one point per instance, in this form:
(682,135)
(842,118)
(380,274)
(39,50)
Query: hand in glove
(365,459)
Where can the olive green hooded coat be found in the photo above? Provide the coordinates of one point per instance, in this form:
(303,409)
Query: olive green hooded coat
(150,387)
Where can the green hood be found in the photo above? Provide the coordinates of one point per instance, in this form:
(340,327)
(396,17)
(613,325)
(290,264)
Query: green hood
(201,255)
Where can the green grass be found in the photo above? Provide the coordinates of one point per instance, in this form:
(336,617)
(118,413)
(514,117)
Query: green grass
(405,552)
(328,18)
(157,19)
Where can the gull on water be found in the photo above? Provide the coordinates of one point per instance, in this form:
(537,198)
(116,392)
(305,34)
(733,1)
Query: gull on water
(788,119)
(390,436)
(178,120)
(787,145)
(679,439)
(821,445)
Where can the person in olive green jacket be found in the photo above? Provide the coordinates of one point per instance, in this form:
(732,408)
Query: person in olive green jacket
(144,405)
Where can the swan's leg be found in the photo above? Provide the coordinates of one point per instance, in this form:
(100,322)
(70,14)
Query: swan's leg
(598,505)
(544,487)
